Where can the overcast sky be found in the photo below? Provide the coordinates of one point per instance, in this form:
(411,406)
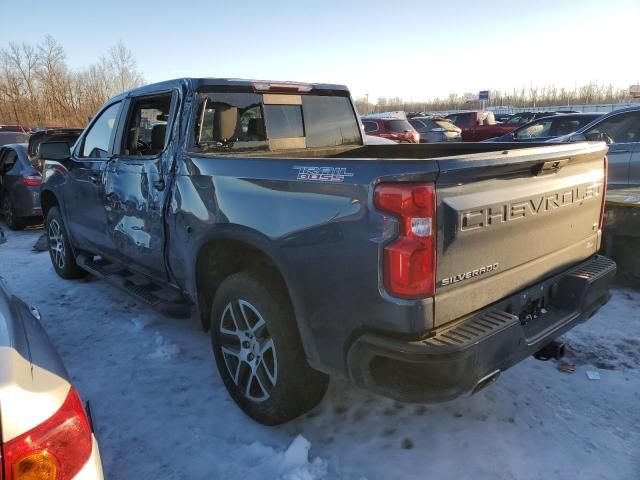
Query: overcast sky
(414,49)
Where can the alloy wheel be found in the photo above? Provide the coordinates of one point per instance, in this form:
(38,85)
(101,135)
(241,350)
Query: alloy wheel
(56,243)
(7,211)
(248,350)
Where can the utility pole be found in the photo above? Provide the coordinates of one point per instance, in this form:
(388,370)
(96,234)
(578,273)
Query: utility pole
(367,95)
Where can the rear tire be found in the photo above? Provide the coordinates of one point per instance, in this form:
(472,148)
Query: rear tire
(13,222)
(60,249)
(258,350)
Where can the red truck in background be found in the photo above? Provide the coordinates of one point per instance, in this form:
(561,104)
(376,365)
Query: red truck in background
(479,125)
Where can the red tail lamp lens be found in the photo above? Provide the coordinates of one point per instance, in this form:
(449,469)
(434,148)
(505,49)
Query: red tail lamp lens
(410,259)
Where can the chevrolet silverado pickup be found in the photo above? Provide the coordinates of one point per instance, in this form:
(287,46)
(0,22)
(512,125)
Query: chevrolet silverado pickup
(417,271)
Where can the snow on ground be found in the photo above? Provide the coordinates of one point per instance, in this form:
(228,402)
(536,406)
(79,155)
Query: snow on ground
(161,410)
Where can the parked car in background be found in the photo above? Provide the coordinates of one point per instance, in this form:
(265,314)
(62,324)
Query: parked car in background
(522,118)
(436,129)
(65,135)
(373,140)
(45,431)
(479,125)
(20,180)
(44,128)
(547,128)
(502,117)
(12,128)
(13,137)
(397,129)
(621,131)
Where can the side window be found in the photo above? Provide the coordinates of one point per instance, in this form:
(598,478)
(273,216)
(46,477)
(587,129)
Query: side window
(7,161)
(100,136)
(563,126)
(370,126)
(537,129)
(146,133)
(622,128)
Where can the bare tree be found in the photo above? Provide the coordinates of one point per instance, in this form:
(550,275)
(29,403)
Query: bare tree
(124,67)
(37,87)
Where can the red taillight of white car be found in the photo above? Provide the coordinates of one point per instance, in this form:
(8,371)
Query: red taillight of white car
(410,259)
(54,450)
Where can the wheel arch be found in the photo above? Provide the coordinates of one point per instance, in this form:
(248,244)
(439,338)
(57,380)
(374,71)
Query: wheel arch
(48,200)
(237,249)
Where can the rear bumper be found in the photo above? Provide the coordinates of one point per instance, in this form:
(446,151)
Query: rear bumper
(26,202)
(463,356)
(92,470)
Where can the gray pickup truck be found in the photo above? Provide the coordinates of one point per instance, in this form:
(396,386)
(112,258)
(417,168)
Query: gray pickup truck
(418,271)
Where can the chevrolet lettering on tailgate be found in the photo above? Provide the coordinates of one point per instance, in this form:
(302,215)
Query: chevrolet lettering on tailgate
(539,205)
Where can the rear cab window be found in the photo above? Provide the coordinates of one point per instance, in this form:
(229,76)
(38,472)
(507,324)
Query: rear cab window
(232,122)
(369,126)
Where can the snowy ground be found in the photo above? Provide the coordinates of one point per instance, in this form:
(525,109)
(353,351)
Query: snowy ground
(162,412)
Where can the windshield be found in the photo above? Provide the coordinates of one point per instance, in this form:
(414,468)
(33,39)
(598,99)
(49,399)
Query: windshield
(231,122)
(534,130)
(621,128)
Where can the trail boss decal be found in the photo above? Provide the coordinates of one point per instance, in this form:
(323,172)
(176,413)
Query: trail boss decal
(323,174)
(470,274)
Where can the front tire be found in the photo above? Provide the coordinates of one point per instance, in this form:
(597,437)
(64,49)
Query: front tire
(60,249)
(13,222)
(258,350)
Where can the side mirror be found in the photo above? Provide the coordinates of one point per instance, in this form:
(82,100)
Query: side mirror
(54,151)
(577,137)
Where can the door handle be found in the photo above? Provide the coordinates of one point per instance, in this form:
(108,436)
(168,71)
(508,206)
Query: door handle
(95,179)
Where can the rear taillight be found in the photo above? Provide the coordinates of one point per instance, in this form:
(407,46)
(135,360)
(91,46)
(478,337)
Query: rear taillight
(55,450)
(410,259)
(604,193)
(31,180)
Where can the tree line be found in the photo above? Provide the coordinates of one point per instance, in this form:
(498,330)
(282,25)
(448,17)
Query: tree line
(549,96)
(37,88)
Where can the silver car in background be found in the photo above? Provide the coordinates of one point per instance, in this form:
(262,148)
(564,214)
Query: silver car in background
(620,129)
(45,432)
(436,129)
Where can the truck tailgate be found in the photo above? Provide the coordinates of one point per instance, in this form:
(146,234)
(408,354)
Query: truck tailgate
(506,220)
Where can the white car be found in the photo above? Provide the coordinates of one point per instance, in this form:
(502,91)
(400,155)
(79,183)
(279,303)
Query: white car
(45,432)
(373,140)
